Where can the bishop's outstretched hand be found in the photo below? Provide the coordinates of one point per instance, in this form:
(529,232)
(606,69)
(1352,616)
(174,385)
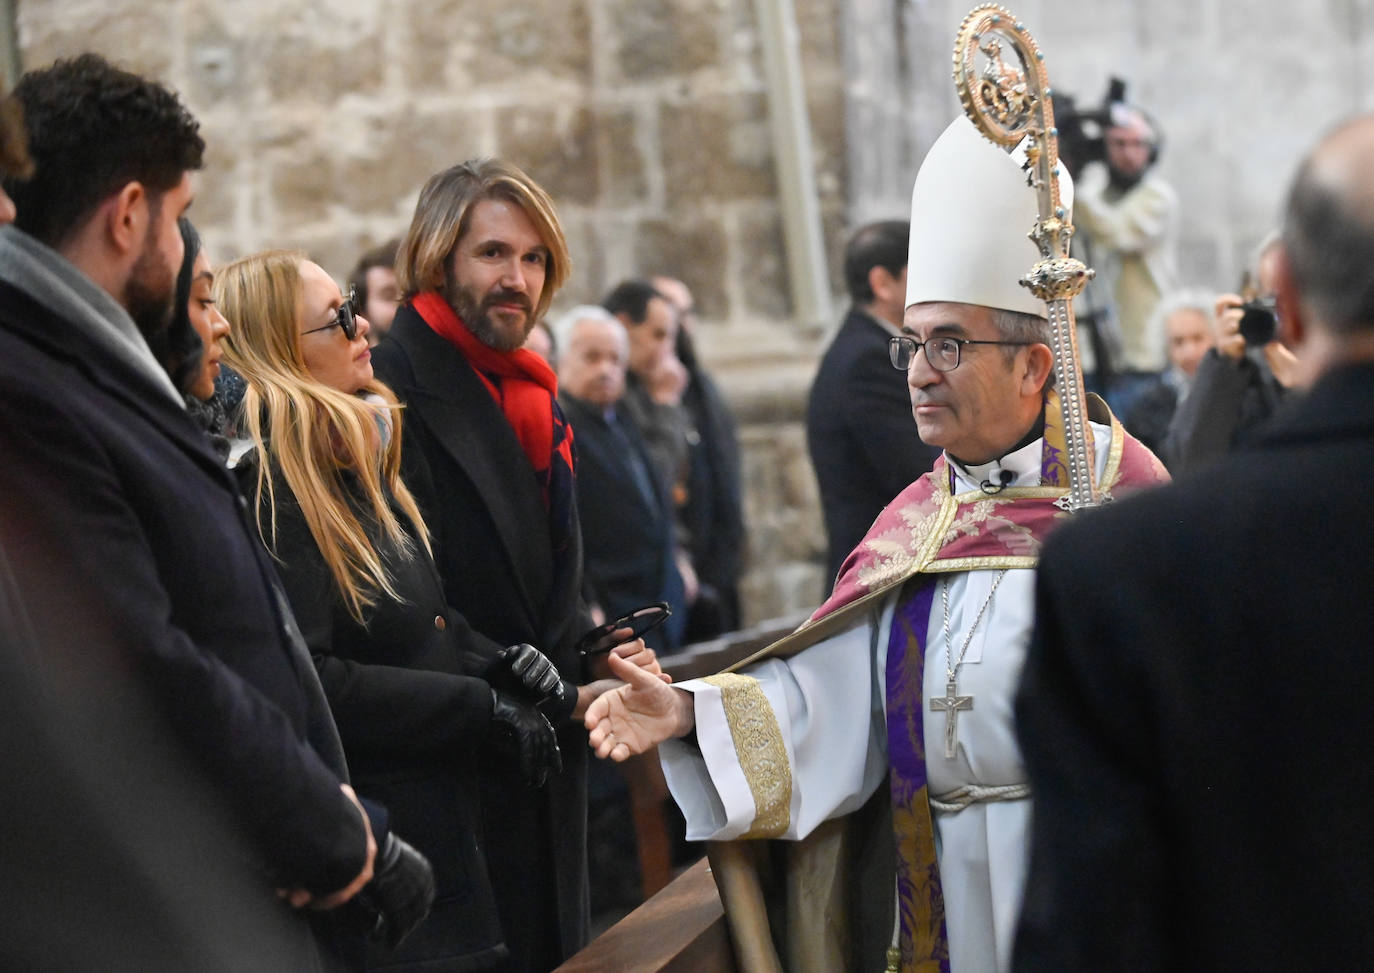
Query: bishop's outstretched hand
(637,716)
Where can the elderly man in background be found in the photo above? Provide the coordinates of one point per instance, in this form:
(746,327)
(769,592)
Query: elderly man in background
(1189,335)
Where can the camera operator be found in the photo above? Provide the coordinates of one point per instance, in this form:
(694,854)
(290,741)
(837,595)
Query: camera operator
(1126,220)
(1241,381)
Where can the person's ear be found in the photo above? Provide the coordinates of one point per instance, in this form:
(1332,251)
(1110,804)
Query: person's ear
(1288,303)
(884,286)
(126,217)
(1038,362)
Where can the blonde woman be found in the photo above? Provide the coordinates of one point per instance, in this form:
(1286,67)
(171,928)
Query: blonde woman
(354,555)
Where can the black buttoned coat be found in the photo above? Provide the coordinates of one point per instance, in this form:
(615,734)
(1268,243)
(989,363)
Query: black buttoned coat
(1195,712)
(482,503)
(412,720)
(133,551)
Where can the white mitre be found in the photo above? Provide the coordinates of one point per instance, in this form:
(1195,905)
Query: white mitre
(971,211)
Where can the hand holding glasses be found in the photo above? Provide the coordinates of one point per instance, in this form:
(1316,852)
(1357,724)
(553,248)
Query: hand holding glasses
(637,623)
(345,318)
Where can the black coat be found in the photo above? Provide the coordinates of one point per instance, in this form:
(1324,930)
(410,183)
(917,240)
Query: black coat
(411,719)
(1195,713)
(628,539)
(714,511)
(110,487)
(483,505)
(861,434)
(1228,398)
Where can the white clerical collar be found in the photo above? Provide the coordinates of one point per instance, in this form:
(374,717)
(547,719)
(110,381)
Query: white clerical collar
(1023,464)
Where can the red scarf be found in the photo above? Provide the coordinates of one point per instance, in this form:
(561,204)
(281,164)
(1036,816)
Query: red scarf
(520,382)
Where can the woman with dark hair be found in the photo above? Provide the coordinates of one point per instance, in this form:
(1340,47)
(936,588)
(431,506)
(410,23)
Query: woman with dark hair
(191,346)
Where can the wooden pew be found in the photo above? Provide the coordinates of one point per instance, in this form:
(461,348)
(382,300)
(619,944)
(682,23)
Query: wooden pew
(680,930)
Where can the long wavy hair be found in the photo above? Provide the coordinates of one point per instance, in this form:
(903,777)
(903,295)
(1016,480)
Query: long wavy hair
(314,434)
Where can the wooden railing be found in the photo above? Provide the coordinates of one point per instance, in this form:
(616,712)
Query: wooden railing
(682,926)
(680,930)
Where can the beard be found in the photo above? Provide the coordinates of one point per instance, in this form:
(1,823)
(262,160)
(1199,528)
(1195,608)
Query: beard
(475,313)
(150,293)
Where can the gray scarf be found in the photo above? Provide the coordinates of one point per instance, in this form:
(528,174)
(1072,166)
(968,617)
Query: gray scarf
(53,281)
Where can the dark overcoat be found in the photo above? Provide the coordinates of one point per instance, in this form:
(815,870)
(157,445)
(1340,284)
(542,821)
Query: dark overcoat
(861,434)
(627,536)
(133,551)
(1195,713)
(411,719)
(482,503)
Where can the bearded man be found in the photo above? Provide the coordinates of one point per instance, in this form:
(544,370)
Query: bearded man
(488,455)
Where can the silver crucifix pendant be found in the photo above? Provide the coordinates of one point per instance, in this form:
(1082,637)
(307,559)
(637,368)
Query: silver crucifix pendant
(950,704)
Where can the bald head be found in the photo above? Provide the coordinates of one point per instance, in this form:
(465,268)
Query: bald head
(1328,232)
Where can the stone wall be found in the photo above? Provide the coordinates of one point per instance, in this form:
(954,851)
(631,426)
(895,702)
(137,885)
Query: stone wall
(648,121)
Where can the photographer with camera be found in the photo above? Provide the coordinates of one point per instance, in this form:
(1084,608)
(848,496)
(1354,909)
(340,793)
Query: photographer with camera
(1126,219)
(1241,381)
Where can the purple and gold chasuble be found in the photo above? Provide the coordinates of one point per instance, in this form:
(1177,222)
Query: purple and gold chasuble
(929,530)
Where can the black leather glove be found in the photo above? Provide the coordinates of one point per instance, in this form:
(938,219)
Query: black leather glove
(525,671)
(400,893)
(523,734)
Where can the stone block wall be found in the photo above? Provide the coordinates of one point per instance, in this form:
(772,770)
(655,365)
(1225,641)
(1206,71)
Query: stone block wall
(648,122)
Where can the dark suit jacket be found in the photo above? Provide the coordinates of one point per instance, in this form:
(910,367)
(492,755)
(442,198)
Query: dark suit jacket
(714,512)
(411,719)
(483,506)
(110,487)
(628,540)
(1195,713)
(861,434)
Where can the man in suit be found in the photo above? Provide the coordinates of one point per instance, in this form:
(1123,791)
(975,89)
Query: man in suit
(134,561)
(864,445)
(489,458)
(626,515)
(713,515)
(1195,707)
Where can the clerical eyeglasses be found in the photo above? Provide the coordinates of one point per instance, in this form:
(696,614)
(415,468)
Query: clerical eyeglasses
(943,352)
(345,318)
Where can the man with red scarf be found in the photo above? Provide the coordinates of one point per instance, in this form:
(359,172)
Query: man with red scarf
(489,457)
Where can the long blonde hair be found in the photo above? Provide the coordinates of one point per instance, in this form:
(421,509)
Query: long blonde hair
(313,432)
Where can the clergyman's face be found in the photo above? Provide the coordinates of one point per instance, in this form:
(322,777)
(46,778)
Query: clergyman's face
(974,412)
(496,274)
(150,291)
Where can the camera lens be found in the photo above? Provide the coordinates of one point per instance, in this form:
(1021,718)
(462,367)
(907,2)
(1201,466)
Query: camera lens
(1258,324)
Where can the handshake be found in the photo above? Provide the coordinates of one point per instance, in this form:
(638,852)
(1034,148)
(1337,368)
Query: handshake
(522,678)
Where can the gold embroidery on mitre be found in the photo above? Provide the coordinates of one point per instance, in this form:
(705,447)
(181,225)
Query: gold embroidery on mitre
(760,752)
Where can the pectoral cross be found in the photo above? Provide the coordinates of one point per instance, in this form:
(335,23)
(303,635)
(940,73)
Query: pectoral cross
(950,704)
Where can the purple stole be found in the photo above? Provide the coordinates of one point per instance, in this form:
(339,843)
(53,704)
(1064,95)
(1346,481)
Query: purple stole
(929,530)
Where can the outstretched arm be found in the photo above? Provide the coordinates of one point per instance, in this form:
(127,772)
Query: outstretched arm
(637,716)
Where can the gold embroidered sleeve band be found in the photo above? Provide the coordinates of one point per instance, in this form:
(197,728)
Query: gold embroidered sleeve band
(760,752)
